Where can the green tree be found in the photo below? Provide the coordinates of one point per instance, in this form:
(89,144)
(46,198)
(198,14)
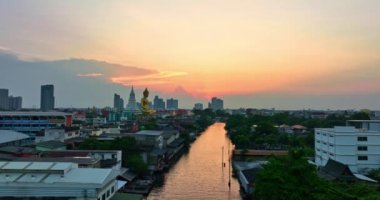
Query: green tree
(375,174)
(360,116)
(129,147)
(137,164)
(293,178)
(266,128)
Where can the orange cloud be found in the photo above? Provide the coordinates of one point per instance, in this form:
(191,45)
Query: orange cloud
(90,75)
(158,80)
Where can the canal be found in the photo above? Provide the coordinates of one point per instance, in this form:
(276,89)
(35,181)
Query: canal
(199,173)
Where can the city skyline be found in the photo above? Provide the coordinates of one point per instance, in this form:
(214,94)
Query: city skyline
(190,99)
(260,54)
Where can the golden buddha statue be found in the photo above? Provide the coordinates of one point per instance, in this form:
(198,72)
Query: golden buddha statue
(145,103)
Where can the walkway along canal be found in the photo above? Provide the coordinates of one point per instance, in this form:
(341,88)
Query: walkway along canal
(199,174)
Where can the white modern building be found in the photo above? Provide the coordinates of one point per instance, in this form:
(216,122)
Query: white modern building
(356,145)
(56,180)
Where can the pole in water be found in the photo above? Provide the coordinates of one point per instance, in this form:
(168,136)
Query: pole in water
(229,168)
(222,156)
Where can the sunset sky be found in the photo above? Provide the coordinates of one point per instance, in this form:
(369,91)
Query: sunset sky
(239,50)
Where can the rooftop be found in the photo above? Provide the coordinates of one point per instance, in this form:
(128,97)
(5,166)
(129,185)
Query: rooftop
(77,160)
(53,173)
(150,133)
(17,150)
(336,170)
(123,196)
(32,113)
(51,144)
(76,153)
(347,129)
(371,121)
(10,136)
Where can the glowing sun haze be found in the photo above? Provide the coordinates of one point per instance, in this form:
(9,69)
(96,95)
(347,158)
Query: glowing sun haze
(208,47)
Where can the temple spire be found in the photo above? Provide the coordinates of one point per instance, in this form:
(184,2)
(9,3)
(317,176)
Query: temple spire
(132,104)
(132,91)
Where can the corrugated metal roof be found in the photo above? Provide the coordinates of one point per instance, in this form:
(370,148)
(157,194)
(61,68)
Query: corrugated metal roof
(39,172)
(40,165)
(10,136)
(150,133)
(86,175)
(16,165)
(61,166)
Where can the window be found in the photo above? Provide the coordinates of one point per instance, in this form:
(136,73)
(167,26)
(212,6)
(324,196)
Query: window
(362,138)
(362,148)
(108,193)
(104,197)
(331,136)
(362,157)
(113,189)
(318,133)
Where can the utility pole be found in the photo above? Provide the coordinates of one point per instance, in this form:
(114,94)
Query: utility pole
(229,168)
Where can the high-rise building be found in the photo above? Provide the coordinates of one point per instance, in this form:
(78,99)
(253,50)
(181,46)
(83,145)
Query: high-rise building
(216,104)
(15,103)
(172,104)
(158,103)
(4,105)
(132,105)
(47,97)
(198,106)
(118,102)
(121,104)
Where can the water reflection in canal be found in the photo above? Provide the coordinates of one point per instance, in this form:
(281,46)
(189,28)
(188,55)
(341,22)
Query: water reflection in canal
(199,174)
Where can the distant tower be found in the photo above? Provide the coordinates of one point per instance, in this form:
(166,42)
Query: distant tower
(132,104)
(4,105)
(216,104)
(118,102)
(198,106)
(47,97)
(172,104)
(15,103)
(158,103)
